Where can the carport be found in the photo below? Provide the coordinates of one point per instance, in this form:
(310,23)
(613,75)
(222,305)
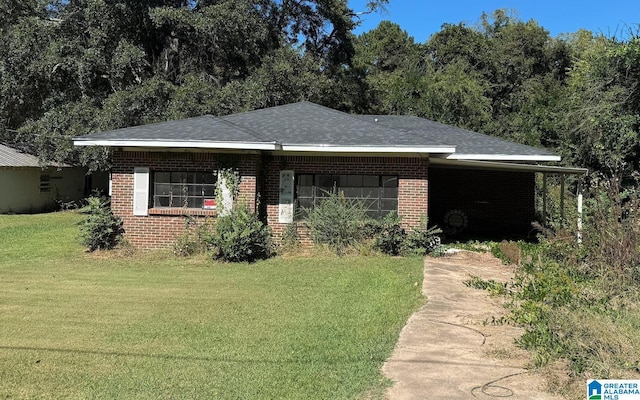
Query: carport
(492,199)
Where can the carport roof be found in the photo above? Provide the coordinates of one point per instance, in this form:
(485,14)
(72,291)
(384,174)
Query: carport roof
(309,127)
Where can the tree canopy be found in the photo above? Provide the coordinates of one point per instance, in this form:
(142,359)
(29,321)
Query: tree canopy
(70,67)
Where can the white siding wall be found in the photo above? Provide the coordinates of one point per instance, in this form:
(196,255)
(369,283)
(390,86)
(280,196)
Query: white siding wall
(20,188)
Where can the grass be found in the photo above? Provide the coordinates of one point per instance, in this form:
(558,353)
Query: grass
(78,325)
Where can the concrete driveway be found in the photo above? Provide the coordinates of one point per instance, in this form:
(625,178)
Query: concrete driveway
(448,351)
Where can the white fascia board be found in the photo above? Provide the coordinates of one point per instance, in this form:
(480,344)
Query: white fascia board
(179,144)
(503,157)
(368,149)
(506,166)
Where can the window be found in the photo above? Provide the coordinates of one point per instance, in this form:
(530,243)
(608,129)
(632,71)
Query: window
(45,183)
(184,189)
(379,192)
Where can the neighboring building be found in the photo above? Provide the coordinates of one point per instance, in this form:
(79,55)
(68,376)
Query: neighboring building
(29,188)
(289,156)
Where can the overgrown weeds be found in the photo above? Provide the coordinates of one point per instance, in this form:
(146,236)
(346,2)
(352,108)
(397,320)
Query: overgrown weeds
(581,303)
(343,224)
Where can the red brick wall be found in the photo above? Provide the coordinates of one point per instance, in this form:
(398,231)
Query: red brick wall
(411,172)
(161,227)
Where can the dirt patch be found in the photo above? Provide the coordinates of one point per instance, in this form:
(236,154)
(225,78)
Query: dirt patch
(449,349)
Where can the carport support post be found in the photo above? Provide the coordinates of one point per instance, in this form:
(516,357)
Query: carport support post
(562,176)
(544,199)
(580,211)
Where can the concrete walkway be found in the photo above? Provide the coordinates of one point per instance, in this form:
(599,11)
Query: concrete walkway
(447,351)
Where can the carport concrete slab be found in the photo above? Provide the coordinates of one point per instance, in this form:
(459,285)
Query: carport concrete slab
(450,350)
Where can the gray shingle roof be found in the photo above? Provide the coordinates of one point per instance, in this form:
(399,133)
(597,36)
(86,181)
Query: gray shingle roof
(466,142)
(204,128)
(306,123)
(12,158)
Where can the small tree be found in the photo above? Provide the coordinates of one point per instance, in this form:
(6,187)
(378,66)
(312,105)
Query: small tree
(389,236)
(101,229)
(240,236)
(337,222)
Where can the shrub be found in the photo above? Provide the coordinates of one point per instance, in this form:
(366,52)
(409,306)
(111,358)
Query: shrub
(240,236)
(290,236)
(196,238)
(424,239)
(337,222)
(389,236)
(101,229)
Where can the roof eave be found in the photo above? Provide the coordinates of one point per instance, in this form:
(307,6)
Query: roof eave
(185,144)
(507,166)
(325,148)
(505,157)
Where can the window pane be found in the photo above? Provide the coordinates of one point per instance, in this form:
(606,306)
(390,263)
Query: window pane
(305,180)
(324,181)
(194,177)
(161,201)
(305,203)
(305,185)
(209,190)
(208,178)
(178,177)
(177,201)
(195,190)
(389,193)
(351,192)
(162,177)
(389,181)
(371,193)
(177,190)
(354,180)
(194,202)
(370,180)
(389,205)
(162,188)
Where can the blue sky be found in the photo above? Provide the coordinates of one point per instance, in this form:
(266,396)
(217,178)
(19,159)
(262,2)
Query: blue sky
(422,18)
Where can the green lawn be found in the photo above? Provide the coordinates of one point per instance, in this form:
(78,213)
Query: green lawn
(77,325)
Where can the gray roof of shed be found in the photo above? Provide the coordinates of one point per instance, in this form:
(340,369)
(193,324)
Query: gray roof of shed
(306,123)
(13,158)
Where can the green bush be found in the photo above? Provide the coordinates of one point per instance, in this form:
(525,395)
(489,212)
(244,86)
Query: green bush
(389,236)
(240,236)
(101,229)
(423,239)
(338,222)
(196,238)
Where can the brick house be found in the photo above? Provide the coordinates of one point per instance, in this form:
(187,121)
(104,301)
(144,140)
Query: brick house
(287,157)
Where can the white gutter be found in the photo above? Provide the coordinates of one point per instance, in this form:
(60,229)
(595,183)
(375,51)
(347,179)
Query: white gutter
(507,166)
(503,157)
(367,149)
(179,144)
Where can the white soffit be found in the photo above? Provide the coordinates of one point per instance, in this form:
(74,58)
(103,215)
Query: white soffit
(504,157)
(507,166)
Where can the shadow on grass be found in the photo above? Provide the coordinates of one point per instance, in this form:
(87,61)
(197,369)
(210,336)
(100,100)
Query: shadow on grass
(188,358)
